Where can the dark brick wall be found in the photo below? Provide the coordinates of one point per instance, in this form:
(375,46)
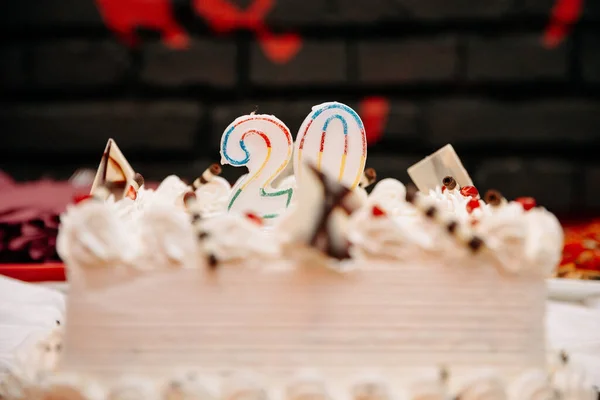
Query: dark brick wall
(524,118)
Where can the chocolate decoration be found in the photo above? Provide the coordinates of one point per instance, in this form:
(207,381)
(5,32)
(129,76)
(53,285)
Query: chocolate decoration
(564,357)
(203,180)
(105,161)
(444,374)
(411,193)
(430,212)
(139,179)
(203,235)
(334,194)
(449,182)
(475,243)
(452,226)
(493,197)
(196,217)
(116,185)
(215,169)
(213,263)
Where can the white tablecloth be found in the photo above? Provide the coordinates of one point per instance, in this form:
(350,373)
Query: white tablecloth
(31,311)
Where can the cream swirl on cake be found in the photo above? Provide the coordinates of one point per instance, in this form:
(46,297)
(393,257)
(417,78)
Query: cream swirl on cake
(523,241)
(167,238)
(532,385)
(93,235)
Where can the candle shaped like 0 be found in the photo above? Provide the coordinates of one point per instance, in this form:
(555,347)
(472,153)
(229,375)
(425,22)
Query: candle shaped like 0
(333,139)
(263,144)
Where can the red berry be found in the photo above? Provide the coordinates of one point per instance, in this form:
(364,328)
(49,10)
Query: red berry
(527,202)
(254,218)
(78,198)
(443,189)
(131,193)
(472,204)
(377,211)
(469,191)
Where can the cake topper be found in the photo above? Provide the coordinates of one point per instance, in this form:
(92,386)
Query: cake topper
(115,174)
(263,144)
(333,139)
(321,213)
(430,171)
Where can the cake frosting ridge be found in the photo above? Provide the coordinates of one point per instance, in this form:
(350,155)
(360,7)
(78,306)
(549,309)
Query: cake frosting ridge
(392,294)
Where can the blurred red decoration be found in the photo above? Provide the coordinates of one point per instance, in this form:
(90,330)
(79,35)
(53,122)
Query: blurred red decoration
(564,15)
(527,202)
(125,16)
(280,49)
(225,17)
(374,112)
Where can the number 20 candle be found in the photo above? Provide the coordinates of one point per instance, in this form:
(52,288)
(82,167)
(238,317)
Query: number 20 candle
(333,139)
(263,144)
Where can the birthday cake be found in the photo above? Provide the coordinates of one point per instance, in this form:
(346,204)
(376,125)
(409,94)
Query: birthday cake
(302,287)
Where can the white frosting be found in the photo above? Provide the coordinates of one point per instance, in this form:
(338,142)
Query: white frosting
(186,386)
(454,202)
(233,237)
(171,188)
(531,385)
(134,388)
(429,386)
(306,385)
(243,386)
(167,238)
(212,198)
(93,235)
(390,194)
(573,384)
(523,241)
(371,387)
(483,386)
(71,387)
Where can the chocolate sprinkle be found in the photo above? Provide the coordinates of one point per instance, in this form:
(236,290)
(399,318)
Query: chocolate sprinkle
(196,217)
(475,243)
(215,169)
(411,193)
(371,175)
(139,179)
(203,235)
(333,197)
(452,225)
(564,357)
(449,182)
(430,212)
(212,261)
(493,197)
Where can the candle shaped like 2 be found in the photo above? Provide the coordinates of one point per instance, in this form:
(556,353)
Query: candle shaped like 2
(263,144)
(333,139)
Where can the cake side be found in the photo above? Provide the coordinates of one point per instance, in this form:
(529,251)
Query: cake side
(277,321)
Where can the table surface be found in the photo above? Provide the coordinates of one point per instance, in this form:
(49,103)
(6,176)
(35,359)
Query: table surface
(28,310)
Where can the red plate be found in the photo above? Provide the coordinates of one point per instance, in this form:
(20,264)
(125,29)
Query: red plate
(51,272)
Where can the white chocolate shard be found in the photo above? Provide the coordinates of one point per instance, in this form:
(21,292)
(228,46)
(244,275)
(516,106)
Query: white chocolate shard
(113,168)
(428,173)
